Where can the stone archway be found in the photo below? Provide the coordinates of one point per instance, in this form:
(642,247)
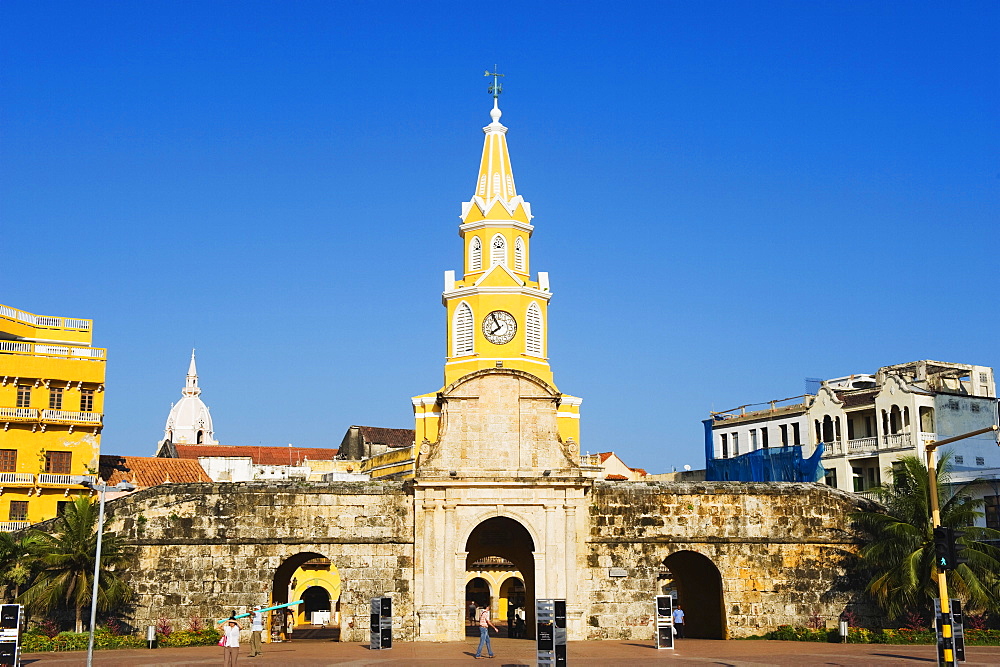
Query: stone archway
(307,576)
(316,598)
(510,598)
(478,592)
(699,593)
(506,538)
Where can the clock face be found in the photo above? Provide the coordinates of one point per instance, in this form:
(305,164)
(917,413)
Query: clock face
(499,327)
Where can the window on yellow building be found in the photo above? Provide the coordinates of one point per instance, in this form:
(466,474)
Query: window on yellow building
(533,330)
(498,251)
(18,510)
(8,460)
(86,400)
(58,463)
(462,327)
(24,396)
(475,254)
(55,398)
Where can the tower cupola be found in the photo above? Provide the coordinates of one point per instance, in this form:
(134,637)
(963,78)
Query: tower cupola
(190,422)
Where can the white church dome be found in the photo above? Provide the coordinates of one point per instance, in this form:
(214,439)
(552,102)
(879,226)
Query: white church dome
(190,422)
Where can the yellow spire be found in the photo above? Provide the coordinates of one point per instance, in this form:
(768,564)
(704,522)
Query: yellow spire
(496,178)
(495,194)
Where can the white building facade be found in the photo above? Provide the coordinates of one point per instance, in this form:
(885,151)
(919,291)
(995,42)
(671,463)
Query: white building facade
(867,422)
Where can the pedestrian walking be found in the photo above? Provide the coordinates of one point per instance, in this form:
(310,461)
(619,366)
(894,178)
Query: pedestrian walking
(484,632)
(256,628)
(231,645)
(679,621)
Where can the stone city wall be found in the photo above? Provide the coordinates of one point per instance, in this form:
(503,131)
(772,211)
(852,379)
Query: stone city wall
(780,549)
(207,549)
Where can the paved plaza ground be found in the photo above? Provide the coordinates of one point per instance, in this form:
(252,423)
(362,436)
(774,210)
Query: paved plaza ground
(520,653)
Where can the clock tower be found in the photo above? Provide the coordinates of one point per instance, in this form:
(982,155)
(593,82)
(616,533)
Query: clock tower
(497,313)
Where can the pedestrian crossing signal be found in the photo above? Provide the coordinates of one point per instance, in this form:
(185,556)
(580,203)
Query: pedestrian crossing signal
(942,548)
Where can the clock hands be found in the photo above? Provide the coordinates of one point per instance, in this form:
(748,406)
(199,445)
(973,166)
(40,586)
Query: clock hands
(499,327)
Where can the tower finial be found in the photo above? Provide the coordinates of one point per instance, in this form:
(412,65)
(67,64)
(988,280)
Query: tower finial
(495,89)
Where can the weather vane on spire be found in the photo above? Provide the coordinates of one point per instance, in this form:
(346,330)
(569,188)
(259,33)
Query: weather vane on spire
(497,87)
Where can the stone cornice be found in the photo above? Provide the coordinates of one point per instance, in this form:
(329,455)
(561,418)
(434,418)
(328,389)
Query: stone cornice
(496,224)
(471,290)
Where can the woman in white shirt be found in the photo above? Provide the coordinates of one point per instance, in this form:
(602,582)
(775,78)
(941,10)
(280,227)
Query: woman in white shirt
(231,649)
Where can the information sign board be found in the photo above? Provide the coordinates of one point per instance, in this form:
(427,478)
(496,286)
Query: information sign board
(550,632)
(664,621)
(380,624)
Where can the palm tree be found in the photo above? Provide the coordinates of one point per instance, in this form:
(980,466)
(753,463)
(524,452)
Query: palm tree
(16,561)
(899,554)
(66,565)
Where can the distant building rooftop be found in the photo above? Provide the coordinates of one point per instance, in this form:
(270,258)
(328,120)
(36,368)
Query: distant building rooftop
(146,471)
(280,456)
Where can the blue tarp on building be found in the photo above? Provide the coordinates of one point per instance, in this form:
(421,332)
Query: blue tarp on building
(775,464)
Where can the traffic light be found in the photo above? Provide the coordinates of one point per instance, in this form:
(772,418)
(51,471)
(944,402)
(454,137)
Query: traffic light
(942,548)
(956,551)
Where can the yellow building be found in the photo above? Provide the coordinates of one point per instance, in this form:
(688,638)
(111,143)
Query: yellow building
(497,314)
(51,408)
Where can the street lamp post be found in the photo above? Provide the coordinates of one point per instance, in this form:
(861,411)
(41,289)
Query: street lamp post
(942,576)
(101,489)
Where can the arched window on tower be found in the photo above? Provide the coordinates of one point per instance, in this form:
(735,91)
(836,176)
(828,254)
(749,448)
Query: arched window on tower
(519,254)
(461,334)
(475,254)
(498,250)
(533,330)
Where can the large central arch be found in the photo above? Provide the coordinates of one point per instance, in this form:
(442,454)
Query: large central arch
(507,538)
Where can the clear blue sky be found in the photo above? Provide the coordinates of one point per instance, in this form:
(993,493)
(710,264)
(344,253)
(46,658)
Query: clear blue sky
(729,197)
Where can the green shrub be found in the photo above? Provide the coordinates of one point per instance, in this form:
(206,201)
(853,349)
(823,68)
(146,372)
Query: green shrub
(205,637)
(799,634)
(879,636)
(36,642)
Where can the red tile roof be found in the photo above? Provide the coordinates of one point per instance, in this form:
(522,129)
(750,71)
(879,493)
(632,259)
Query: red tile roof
(605,455)
(641,471)
(617,478)
(275,456)
(393,437)
(146,471)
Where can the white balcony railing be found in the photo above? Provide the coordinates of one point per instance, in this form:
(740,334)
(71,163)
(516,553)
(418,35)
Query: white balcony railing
(43,320)
(862,445)
(896,441)
(39,350)
(835,448)
(11,526)
(926,436)
(62,480)
(16,478)
(19,414)
(67,416)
